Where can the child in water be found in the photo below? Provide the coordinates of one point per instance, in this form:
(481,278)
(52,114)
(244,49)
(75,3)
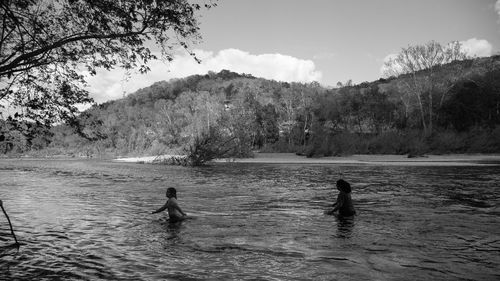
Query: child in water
(175,213)
(344,202)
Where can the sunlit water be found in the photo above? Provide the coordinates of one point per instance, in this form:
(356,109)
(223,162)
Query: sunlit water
(88,220)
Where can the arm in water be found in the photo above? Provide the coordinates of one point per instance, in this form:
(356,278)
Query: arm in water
(161,209)
(337,205)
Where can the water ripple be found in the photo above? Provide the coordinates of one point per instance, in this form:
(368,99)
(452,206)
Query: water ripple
(87,220)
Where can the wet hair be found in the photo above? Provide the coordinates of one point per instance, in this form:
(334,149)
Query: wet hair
(172,191)
(344,186)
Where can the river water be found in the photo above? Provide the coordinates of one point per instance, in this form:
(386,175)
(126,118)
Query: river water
(91,220)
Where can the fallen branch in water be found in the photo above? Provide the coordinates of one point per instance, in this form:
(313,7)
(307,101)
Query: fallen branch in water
(10,224)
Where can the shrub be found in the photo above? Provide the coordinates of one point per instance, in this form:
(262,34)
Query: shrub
(447,142)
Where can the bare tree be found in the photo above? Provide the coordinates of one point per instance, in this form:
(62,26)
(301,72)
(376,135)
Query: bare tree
(417,67)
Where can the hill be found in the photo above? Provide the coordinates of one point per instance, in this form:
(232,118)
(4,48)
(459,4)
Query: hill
(457,110)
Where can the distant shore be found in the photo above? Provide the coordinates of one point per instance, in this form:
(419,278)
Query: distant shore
(358,159)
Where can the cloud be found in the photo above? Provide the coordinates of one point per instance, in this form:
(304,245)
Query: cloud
(386,71)
(113,84)
(478,48)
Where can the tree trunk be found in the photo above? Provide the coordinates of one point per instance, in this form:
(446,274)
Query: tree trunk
(422,113)
(304,131)
(430,111)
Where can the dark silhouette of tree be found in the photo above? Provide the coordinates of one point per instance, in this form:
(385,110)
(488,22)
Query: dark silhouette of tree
(45,46)
(474,102)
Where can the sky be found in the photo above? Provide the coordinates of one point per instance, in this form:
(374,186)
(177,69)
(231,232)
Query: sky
(327,41)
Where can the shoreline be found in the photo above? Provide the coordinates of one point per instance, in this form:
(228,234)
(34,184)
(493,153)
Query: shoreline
(357,159)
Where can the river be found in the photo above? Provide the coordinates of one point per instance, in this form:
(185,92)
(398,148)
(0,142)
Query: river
(91,220)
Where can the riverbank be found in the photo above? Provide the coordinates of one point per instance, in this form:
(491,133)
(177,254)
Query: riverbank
(362,159)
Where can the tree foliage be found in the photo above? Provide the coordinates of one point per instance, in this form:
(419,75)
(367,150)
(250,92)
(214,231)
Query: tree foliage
(47,46)
(475,102)
(418,66)
(209,145)
(230,115)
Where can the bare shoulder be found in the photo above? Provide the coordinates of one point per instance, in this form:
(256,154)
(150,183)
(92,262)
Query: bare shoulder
(172,202)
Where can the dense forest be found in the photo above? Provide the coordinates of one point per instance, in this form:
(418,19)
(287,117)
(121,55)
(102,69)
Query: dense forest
(452,108)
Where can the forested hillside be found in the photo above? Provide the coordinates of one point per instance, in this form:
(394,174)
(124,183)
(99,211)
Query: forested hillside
(454,108)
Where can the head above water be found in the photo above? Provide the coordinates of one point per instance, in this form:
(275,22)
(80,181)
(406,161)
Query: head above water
(171,192)
(344,186)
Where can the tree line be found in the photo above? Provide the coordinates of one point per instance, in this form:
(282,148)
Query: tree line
(453,107)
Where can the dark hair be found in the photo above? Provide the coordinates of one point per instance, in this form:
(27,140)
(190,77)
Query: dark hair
(172,191)
(344,186)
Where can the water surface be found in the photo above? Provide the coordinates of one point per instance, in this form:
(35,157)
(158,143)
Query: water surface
(88,220)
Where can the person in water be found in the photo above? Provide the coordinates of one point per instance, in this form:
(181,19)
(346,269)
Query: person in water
(175,212)
(344,202)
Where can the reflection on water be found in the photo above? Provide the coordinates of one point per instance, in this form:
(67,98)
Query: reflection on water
(344,227)
(91,220)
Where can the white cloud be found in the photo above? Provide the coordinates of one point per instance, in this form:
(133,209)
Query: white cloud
(478,48)
(384,70)
(108,85)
